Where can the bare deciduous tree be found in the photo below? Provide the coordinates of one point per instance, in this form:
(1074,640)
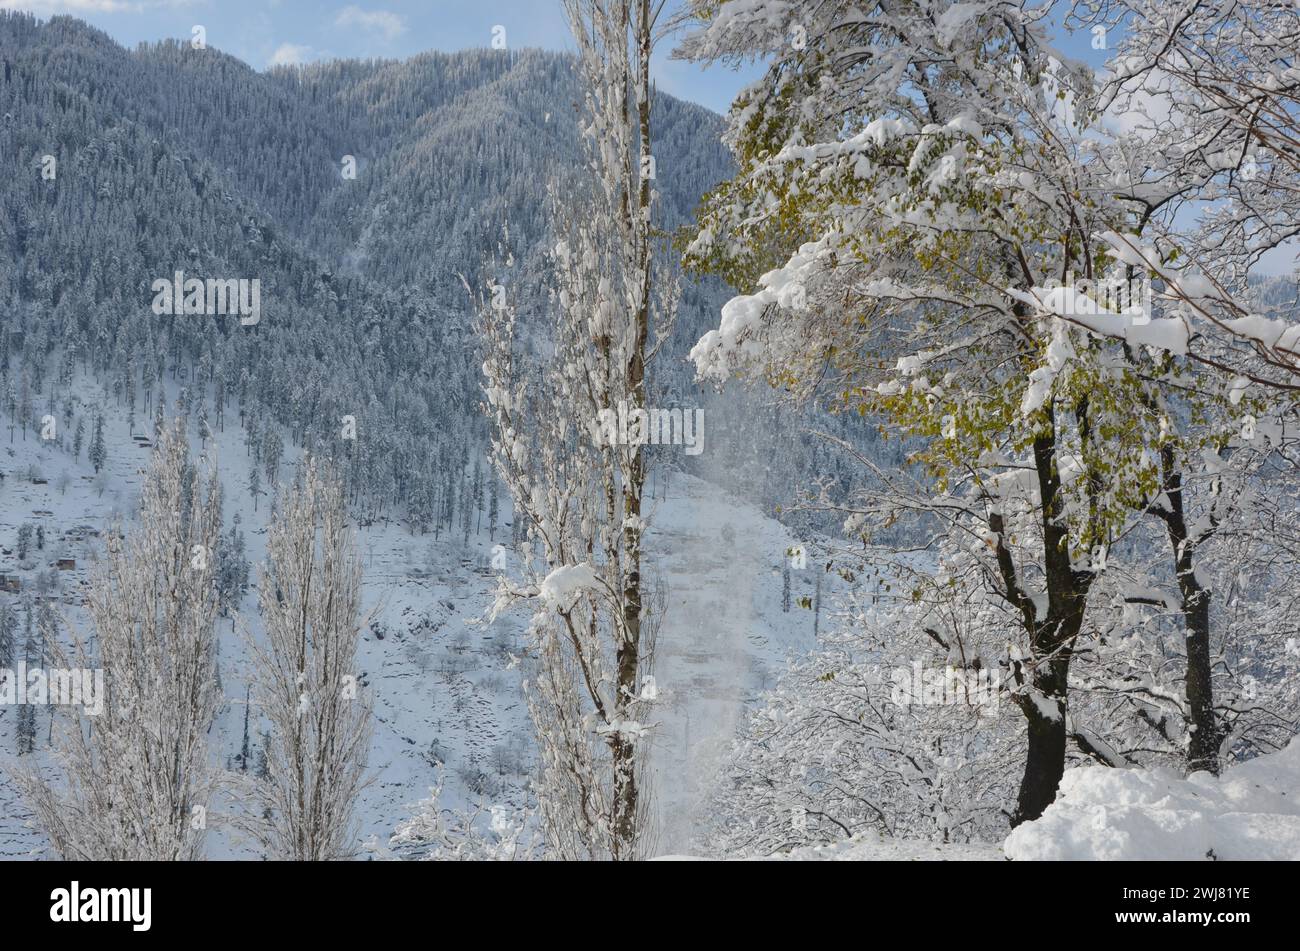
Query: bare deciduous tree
(579,491)
(306,684)
(138,777)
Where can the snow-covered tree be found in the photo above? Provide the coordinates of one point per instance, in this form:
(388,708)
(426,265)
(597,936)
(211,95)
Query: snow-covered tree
(98,452)
(8,634)
(889,214)
(484,834)
(232,568)
(1206,96)
(849,740)
(307,684)
(581,494)
(135,782)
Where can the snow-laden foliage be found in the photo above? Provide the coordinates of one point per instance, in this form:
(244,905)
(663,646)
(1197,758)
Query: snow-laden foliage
(1199,102)
(920,190)
(903,203)
(847,744)
(439,834)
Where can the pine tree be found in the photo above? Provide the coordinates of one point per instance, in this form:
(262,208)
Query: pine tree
(98,453)
(272,453)
(78,439)
(261,765)
(466,508)
(817,607)
(25,731)
(478,496)
(25,402)
(8,635)
(244,749)
(32,650)
(47,627)
(232,568)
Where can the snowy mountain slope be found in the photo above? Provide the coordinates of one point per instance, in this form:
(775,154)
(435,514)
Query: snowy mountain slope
(872,847)
(723,640)
(446,686)
(75,519)
(169,160)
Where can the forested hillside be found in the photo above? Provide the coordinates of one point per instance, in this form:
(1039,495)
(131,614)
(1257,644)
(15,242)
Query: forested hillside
(169,158)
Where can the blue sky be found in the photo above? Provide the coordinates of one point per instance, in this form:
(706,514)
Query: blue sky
(266,32)
(262,32)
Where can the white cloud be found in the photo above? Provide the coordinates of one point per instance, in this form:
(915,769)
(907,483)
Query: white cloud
(290,54)
(379,21)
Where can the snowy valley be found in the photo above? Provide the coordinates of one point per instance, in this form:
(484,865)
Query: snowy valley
(487,455)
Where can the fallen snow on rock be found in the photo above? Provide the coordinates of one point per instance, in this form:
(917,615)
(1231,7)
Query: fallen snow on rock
(1251,812)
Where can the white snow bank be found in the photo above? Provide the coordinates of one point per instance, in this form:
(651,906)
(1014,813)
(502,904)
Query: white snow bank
(1251,812)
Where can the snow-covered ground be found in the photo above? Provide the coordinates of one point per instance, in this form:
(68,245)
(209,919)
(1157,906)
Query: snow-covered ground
(872,847)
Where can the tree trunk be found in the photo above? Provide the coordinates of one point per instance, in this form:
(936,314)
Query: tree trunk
(626,827)
(1206,732)
(1045,761)
(1051,639)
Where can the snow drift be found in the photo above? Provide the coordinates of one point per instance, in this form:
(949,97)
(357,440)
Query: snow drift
(1251,812)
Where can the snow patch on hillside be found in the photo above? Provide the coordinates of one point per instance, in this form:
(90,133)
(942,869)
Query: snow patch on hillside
(725,639)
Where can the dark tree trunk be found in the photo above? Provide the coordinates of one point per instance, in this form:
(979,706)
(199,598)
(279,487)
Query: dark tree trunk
(1202,724)
(1043,679)
(1045,761)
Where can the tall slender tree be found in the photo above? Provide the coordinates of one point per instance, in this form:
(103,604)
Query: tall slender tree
(583,502)
(307,686)
(138,777)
